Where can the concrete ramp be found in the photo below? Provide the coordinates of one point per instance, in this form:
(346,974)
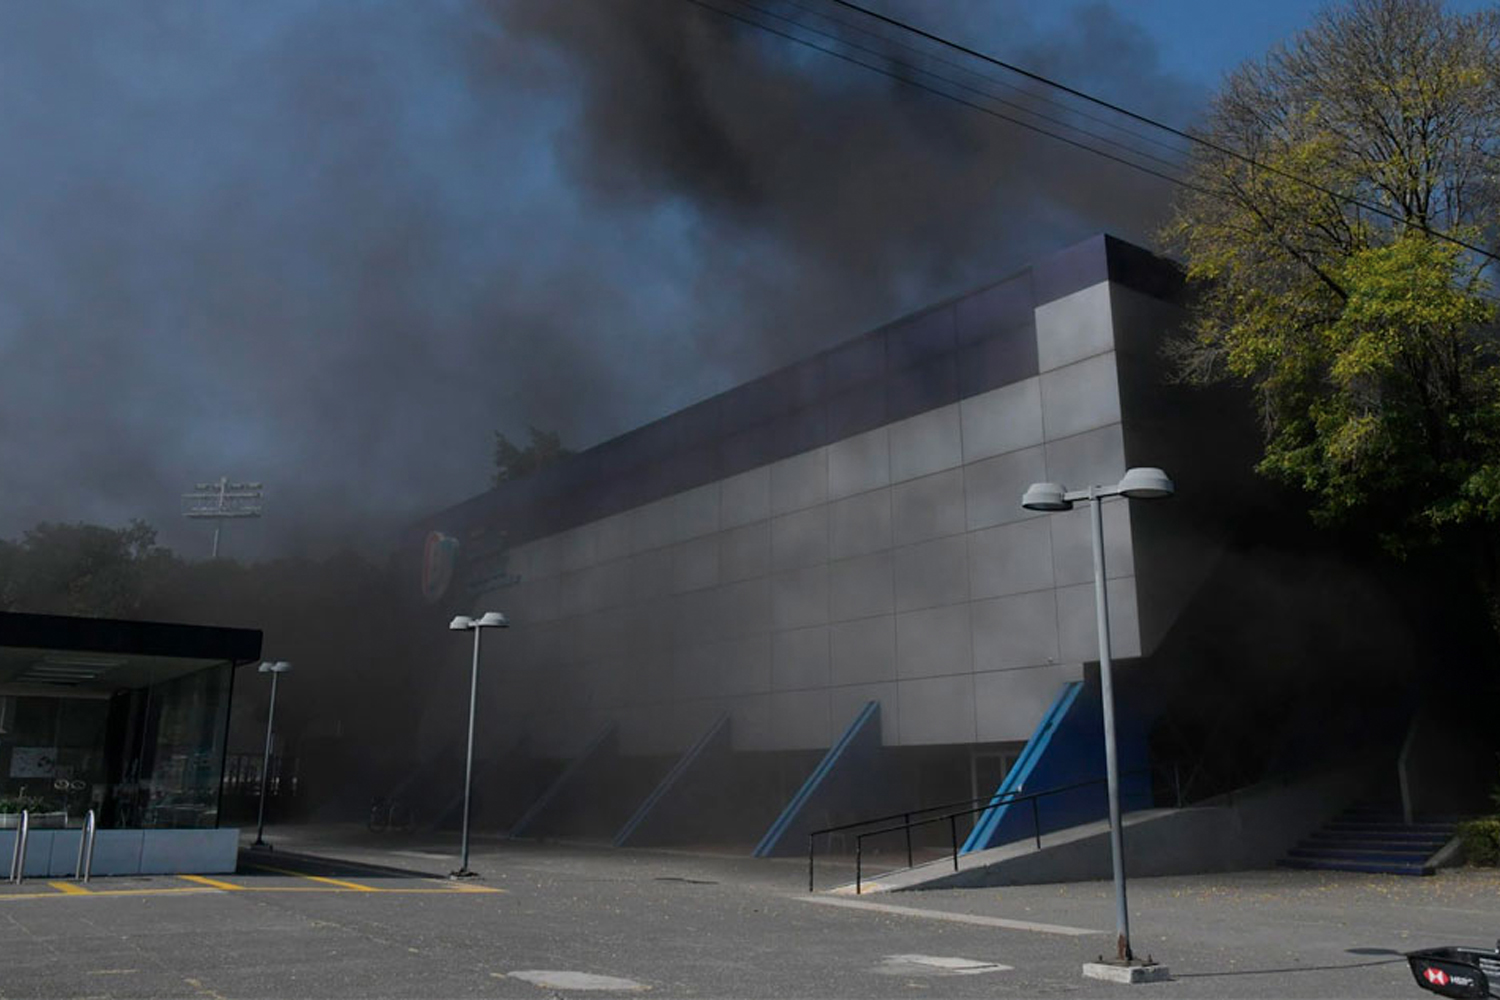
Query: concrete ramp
(1072,855)
(1252,828)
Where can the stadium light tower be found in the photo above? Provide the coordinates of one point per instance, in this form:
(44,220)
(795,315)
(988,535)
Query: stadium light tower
(220,501)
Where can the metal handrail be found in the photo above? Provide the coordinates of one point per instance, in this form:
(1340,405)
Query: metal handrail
(902,814)
(18,854)
(991,801)
(952,819)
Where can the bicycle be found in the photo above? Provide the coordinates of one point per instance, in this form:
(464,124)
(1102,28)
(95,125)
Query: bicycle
(389,814)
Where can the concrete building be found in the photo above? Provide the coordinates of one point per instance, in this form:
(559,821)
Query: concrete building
(835,556)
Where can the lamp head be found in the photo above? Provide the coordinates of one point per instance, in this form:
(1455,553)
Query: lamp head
(274,667)
(492,619)
(461,623)
(1045,496)
(1146,483)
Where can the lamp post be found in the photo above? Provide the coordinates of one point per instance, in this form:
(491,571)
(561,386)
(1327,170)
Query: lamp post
(463,623)
(1138,484)
(275,668)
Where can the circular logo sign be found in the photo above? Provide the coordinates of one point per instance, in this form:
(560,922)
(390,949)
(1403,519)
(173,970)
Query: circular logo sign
(439,554)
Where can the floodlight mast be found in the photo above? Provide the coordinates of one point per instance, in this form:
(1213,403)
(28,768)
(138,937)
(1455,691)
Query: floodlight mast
(221,500)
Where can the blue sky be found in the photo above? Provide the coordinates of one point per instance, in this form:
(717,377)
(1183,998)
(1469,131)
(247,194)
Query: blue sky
(1202,39)
(333,244)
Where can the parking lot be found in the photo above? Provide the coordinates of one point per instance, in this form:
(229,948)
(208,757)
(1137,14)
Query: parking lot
(545,920)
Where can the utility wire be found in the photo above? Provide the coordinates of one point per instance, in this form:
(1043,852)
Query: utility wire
(1029,94)
(1200,140)
(1021,108)
(953,97)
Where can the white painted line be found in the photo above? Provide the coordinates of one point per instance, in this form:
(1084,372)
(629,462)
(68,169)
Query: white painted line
(936,965)
(957,918)
(559,979)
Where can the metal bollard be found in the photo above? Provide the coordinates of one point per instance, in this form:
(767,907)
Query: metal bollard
(18,856)
(85,849)
(88,861)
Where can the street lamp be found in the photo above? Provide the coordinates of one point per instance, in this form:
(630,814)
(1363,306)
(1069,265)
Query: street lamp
(463,623)
(275,669)
(1137,484)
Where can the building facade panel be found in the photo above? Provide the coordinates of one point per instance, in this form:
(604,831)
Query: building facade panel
(858,536)
(1074,327)
(1002,420)
(926,443)
(862,651)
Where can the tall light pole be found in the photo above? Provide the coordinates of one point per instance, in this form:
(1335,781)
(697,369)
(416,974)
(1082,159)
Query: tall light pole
(275,668)
(1138,484)
(463,623)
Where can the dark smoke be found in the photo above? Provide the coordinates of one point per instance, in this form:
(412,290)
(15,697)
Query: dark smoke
(332,246)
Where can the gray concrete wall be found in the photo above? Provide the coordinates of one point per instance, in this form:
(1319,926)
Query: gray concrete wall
(54,853)
(895,565)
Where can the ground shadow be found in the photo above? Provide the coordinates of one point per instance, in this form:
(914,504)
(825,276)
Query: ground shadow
(1395,957)
(253,863)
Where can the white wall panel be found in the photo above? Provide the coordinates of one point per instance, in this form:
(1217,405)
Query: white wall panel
(1074,327)
(859,463)
(1005,419)
(926,443)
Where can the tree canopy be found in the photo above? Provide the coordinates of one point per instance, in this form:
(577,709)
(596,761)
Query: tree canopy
(1337,238)
(82,569)
(512,461)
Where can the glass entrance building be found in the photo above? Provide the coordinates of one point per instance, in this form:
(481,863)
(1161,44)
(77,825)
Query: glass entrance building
(126,718)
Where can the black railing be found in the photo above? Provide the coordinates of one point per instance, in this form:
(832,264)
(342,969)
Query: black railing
(242,775)
(951,818)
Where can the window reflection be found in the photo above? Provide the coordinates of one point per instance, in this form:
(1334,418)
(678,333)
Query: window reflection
(149,756)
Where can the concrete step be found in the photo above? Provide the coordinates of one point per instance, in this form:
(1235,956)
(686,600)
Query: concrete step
(1382,868)
(1378,837)
(1348,854)
(1399,829)
(1401,846)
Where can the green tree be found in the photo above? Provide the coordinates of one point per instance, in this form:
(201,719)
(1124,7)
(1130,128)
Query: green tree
(1367,336)
(513,461)
(83,569)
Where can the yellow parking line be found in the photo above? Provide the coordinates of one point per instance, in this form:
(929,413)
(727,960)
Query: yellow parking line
(96,893)
(203,884)
(215,883)
(355,886)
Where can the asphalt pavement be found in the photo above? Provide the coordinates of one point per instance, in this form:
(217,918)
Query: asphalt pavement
(345,913)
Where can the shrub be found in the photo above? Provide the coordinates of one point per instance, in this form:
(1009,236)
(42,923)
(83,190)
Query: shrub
(1481,840)
(17,803)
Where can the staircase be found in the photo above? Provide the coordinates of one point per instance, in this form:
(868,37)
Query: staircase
(1370,837)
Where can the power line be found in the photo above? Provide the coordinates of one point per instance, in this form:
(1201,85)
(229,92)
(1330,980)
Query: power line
(952,97)
(1030,95)
(1224,150)
(1169,164)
